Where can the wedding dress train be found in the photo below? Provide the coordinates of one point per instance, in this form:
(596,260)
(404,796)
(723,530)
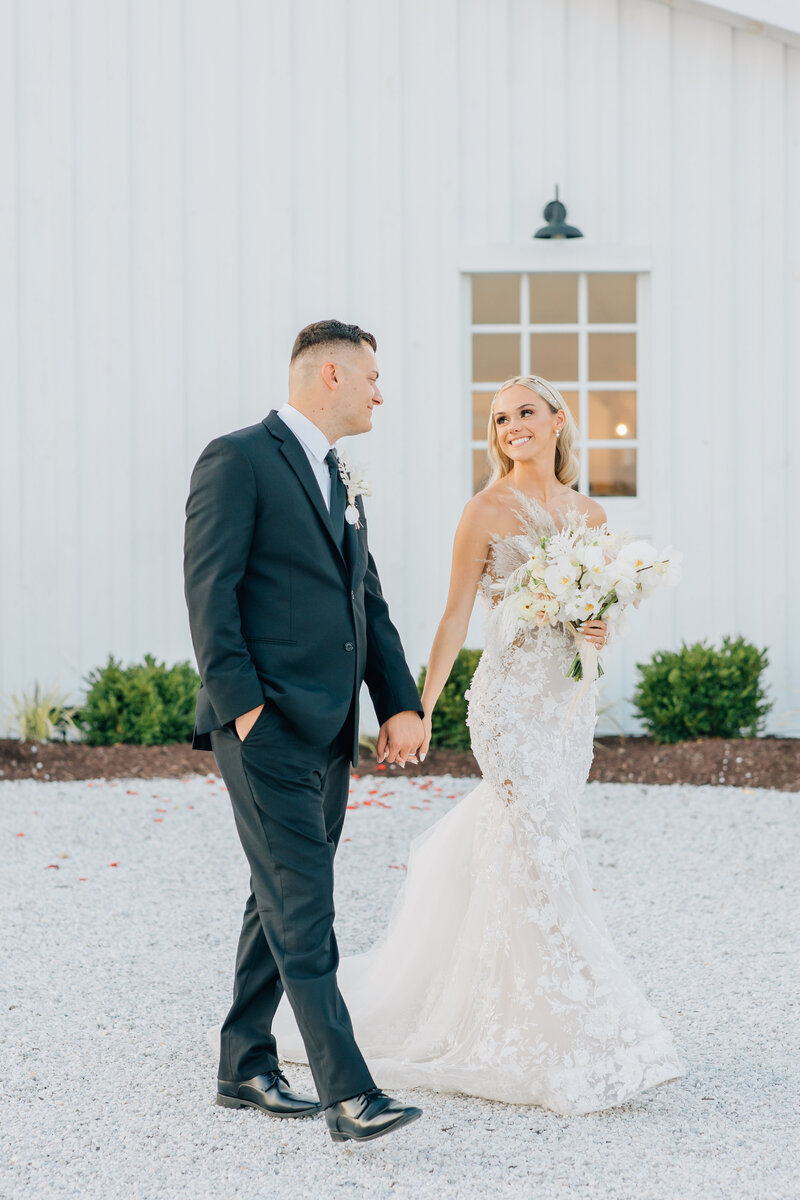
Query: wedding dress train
(496,975)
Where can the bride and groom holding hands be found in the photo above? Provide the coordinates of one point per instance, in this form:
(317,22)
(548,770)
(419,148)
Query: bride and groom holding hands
(495,974)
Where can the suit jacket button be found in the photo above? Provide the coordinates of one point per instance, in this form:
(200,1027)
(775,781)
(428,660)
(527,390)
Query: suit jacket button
(349,646)
(352,595)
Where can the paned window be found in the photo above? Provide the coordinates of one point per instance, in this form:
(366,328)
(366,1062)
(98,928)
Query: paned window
(579,331)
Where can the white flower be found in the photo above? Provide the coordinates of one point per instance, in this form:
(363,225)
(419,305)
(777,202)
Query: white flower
(537,561)
(583,605)
(527,606)
(668,566)
(609,542)
(551,608)
(355,485)
(353,479)
(639,554)
(625,587)
(560,576)
(594,560)
(537,606)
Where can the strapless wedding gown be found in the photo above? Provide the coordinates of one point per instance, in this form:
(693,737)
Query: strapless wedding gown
(496,975)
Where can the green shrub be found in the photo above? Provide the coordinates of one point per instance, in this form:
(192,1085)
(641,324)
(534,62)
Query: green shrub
(699,691)
(146,703)
(450,715)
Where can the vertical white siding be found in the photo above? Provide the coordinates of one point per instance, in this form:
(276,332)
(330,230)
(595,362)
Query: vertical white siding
(160,417)
(12,660)
(786,570)
(184,184)
(101,478)
(44,301)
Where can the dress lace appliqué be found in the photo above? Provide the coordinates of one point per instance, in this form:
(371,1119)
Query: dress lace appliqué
(496,975)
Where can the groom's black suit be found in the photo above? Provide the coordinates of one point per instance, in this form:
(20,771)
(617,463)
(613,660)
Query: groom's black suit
(286,610)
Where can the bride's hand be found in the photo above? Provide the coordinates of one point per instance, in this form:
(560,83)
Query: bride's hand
(427,723)
(595,632)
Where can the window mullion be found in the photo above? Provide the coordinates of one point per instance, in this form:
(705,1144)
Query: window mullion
(583,381)
(525,320)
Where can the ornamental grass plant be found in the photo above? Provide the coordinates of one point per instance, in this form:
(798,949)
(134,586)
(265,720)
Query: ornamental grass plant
(42,716)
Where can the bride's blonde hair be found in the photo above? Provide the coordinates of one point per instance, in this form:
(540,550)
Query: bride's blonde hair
(567,465)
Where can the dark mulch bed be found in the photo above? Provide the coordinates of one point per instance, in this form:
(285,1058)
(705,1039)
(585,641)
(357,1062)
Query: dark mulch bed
(759,762)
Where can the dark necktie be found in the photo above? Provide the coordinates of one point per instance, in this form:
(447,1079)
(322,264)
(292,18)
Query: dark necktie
(338,497)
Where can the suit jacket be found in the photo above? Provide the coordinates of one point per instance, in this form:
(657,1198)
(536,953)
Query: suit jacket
(277,612)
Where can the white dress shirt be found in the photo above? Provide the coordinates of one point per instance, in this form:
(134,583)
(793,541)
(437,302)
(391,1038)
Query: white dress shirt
(315,444)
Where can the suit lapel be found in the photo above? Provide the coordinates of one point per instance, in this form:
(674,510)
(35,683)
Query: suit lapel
(295,455)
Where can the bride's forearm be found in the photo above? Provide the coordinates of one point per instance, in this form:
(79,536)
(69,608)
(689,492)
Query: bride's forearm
(450,637)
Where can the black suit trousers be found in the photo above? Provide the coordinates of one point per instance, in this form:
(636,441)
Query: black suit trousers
(289,801)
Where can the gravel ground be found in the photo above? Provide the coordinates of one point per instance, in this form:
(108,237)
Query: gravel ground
(122,904)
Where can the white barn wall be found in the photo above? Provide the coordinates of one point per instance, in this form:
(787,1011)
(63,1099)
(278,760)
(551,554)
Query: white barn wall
(183,185)
(11,464)
(786,569)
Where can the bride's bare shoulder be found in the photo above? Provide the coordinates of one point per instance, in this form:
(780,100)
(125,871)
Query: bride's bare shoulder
(490,512)
(595,513)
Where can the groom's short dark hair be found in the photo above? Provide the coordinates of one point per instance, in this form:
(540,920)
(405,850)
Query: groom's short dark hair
(324,333)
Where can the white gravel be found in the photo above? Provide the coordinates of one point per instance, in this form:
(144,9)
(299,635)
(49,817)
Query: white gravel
(116,963)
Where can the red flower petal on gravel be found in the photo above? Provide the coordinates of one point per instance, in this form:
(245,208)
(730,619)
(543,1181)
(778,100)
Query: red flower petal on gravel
(161,810)
(52,867)
(131,792)
(82,878)
(20,835)
(158,820)
(115,864)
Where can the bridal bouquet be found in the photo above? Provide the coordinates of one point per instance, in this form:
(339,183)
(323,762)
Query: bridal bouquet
(581,574)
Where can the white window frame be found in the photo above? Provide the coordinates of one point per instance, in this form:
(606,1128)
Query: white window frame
(632,511)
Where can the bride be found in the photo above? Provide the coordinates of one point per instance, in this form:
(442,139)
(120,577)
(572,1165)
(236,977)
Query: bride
(496,975)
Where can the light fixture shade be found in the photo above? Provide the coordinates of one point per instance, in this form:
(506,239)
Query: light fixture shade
(555,214)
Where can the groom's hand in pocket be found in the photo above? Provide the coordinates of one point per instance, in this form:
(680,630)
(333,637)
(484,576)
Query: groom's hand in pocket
(246,721)
(400,738)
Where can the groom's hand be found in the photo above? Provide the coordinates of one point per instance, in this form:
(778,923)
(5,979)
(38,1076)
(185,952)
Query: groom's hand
(246,721)
(400,737)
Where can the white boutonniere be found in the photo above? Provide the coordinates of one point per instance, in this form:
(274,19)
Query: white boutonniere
(355,485)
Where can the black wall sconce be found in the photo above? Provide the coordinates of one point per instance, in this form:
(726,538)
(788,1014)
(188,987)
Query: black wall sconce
(555,214)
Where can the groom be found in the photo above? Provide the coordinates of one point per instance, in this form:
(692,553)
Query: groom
(287,620)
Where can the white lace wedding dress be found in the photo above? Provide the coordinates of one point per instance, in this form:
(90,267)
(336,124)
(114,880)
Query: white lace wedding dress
(496,975)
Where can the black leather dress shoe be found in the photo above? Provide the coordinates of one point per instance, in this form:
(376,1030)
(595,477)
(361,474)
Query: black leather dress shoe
(270,1092)
(368,1116)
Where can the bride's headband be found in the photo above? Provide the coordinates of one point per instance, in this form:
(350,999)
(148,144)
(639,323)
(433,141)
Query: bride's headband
(535,383)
